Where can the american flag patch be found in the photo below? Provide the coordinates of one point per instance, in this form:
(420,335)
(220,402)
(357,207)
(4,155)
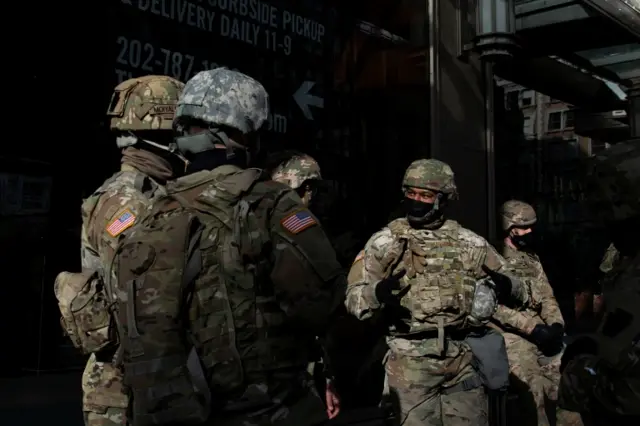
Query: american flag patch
(359,257)
(298,222)
(123,221)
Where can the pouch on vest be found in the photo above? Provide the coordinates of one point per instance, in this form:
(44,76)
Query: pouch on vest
(156,268)
(85,310)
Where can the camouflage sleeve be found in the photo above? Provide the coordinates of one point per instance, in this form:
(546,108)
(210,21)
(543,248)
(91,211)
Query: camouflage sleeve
(113,215)
(88,254)
(542,295)
(308,281)
(367,270)
(493,260)
(513,319)
(609,259)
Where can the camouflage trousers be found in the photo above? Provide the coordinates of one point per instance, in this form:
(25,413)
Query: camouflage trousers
(104,401)
(527,381)
(551,371)
(536,386)
(305,409)
(414,389)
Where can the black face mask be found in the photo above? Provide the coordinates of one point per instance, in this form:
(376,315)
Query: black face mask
(523,242)
(420,213)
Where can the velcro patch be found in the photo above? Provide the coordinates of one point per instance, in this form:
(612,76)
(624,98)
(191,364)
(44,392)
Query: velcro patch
(122,221)
(359,257)
(298,222)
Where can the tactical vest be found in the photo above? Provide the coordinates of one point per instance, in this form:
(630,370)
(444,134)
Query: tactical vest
(84,306)
(522,265)
(441,275)
(197,315)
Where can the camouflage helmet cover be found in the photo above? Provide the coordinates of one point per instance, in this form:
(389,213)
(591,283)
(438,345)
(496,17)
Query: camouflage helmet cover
(295,171)
(613,182)
(517,213)
(431,174)
(226,98)
(144,103)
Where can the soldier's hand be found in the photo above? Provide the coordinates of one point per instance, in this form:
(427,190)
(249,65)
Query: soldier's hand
(549,338)
(389,290)
(503,282)
(332,400)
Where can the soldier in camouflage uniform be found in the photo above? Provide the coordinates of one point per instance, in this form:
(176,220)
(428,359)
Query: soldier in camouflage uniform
(588,303)
(298,173)
(142,111)
(609,263)
(301,172)
(601,370)
(539,327)
(431,310)
(267,284)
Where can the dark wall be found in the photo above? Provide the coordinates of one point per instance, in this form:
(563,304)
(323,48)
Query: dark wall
(66,76)
(459,138)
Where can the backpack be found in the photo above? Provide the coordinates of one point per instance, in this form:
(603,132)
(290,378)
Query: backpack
(174,311)
(85,310)
(439,268)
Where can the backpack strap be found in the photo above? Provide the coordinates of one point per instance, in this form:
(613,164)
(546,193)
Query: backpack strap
(178,373)
(192,269)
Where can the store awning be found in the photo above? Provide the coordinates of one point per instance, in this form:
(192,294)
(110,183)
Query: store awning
(570,47)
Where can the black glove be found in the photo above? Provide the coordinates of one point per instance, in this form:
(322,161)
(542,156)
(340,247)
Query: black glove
(549,338)
(388,291)
(503,282)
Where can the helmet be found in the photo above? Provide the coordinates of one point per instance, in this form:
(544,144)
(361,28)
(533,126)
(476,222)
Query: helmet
(433,175)
(144,103)
(613,182)
(225,98)
(295,171)
(517,213)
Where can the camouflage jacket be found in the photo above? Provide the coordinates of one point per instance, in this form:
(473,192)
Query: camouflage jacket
(373,263)
(110,210)
(542,307)
(286,299)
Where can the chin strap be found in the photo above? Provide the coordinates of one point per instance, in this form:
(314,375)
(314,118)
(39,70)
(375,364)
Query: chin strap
(131,140)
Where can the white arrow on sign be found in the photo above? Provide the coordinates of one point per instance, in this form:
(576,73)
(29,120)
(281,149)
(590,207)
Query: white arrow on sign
(304,99)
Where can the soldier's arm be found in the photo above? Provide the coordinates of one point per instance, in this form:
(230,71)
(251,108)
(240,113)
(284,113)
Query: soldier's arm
(88,254)
(308,281)
(495,262)
(514,319)
(542,293)
(367,270)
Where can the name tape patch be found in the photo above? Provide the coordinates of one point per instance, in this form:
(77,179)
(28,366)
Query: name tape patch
(121,222)
(298,222)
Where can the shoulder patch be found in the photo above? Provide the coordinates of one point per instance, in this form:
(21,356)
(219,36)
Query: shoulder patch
(298,221)
(121,222)
(359,257)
